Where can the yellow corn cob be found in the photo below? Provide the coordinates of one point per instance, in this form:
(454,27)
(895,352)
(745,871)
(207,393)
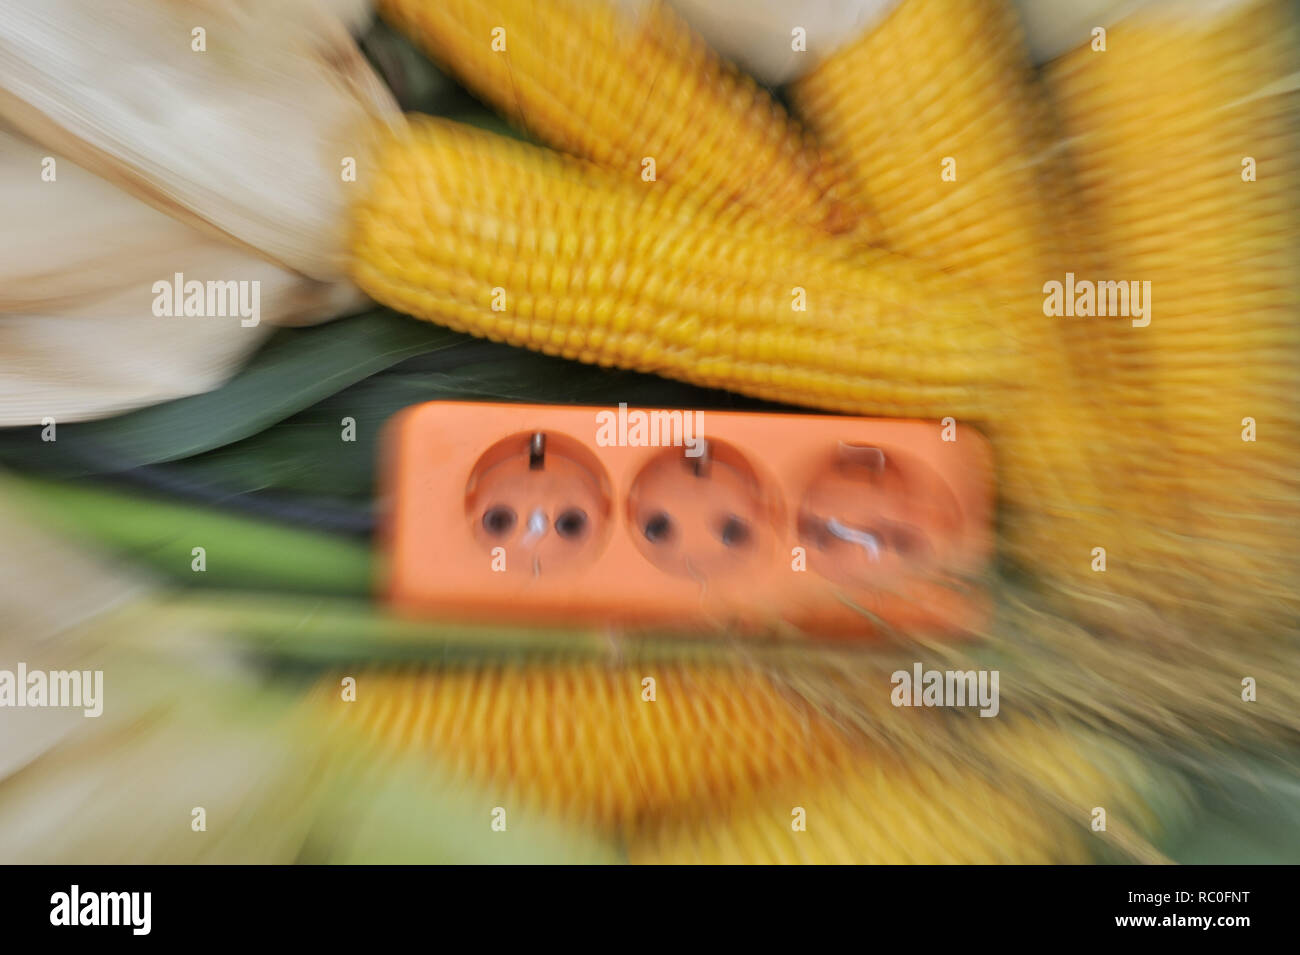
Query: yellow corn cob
(579,743)
(517,244)
(881,813)
(938,80)
(1159,125)
(882,807)
(944,86)
(617,87)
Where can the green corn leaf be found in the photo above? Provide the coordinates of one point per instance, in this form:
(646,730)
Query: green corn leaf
(293,371)
(238,552)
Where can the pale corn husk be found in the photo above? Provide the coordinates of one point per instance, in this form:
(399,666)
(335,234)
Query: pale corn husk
(355,14)
(240,147)
(77,331)
(759,36)
(247,137)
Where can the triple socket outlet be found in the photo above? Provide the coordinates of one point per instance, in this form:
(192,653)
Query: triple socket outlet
(745,522)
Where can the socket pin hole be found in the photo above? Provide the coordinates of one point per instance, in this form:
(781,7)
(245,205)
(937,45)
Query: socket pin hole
(571,523)
(499,520)
(908,541)
(658,527)
(733,531)
(813,528)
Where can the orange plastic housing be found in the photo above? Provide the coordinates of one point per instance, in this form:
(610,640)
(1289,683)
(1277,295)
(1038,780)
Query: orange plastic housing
(772,523)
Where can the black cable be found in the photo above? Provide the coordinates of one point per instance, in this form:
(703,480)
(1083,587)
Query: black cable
(321,515)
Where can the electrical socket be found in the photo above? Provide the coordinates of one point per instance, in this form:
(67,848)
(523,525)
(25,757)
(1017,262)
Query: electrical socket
(701,517)
(540,502)
(873,517)
(830,526)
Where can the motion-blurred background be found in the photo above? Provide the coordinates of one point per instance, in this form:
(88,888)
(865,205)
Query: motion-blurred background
(181,511)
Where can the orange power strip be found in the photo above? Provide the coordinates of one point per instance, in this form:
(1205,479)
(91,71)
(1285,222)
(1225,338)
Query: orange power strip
(547,514)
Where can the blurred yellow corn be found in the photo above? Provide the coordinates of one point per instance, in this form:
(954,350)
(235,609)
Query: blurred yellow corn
(934,115)
(937,121)
(1030,804)
(520,245)
(1164,127)
(879,813)
(579,742)
(712,767)
(1130,438)
(622,86)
